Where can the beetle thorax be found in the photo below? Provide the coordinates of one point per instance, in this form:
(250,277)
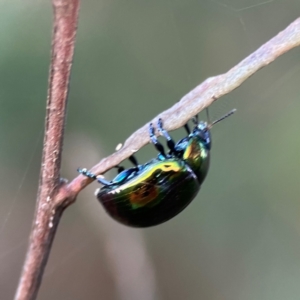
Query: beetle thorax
(202,131)
(196,155)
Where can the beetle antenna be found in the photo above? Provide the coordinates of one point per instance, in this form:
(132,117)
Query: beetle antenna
(222,118)
(196,120)
(207,115)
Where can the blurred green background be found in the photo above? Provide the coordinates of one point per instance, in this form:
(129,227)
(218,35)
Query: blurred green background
(240,239)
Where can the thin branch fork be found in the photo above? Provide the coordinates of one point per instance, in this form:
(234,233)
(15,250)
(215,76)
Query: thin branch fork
(54,196)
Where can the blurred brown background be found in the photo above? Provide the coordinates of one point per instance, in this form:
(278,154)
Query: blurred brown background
(240,239)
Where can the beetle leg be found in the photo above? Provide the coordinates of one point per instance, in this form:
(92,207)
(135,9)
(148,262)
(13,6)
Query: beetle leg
(88,174)
(133,160)
(187,128)
(196,120)
(103,181)
(170,142)
(159,147)
(122,176)
(120,169)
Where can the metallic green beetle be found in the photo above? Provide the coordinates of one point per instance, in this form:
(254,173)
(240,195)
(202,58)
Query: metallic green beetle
(152,193)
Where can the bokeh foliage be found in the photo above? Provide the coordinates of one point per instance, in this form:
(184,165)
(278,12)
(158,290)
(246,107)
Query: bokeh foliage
(240,238)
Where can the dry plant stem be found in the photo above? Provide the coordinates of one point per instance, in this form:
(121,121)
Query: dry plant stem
(48,212)
(199,98)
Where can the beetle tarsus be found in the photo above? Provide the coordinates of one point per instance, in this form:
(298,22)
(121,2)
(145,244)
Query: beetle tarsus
(86,173)
(159,147)
(99,178)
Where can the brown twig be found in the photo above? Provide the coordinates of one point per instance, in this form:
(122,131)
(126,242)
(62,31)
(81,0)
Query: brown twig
(200,97)
(54,196)
(47,212)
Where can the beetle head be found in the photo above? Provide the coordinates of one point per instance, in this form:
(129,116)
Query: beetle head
(202,131)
